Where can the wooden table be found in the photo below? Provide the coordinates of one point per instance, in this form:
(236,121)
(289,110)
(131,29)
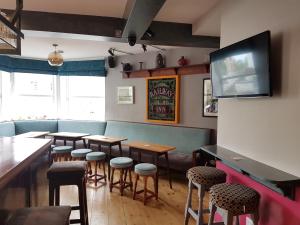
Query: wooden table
(33,134)
(17,155)
(68,136)
(101,140)
(156,150)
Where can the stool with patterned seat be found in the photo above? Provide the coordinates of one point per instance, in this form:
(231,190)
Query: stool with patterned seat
(145,170)
(62,152)
(98,159)
(232,200)
(80,154)
(41,215)
(124,165)
(69,173)
(201,177)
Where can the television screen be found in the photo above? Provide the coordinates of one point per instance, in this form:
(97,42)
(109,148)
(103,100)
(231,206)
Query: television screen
(242,69)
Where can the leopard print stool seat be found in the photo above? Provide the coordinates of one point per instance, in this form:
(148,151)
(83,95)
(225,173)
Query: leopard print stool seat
(201,177)
(233,200)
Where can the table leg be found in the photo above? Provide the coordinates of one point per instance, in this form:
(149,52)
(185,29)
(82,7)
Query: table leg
(109,156)
(89,144)
(84,143)
(139,156)
(120,149)
(168,169)
(99,148)
(74,144)
(65,142)
(54,142)
(157,173)
(130,152)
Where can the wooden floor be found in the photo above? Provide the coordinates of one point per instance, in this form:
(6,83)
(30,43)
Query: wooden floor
(107,208)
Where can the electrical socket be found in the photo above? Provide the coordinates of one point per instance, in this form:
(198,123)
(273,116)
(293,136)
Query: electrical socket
(249,221)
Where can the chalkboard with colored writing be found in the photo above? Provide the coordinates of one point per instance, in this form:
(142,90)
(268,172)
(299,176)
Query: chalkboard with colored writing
(163,99)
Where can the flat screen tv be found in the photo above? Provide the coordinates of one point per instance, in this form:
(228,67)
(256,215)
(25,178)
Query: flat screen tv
(242,69)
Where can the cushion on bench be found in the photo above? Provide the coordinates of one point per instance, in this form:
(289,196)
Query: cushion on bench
(7,129)
(82,126)
(24,126)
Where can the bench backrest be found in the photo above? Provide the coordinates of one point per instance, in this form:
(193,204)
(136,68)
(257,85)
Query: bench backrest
(82,126)
(24,126)
(185,139)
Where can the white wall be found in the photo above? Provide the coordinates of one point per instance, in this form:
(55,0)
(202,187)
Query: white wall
(191,89)
(265,129)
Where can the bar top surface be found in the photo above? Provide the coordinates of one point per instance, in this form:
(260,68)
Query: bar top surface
(16,154)
(250,166)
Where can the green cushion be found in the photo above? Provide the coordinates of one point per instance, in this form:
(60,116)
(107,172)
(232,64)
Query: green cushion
(145,169)
(82,126)
(62,149)
(24,126)
(80,152)
(7,129)
(185,139)
(95,156)
(121,162)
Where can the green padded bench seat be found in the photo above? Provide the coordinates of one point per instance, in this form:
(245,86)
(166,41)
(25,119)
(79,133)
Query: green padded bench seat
(7,129)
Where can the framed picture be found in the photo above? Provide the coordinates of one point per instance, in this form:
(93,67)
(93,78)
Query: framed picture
(162,99)
(210,104)
(126,95)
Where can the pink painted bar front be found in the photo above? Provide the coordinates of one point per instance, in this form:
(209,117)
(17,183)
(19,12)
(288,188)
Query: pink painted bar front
(274,208)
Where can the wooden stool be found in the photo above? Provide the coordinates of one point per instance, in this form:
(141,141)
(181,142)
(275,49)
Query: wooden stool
(123,164)
(62,152)
(145,170)
(41,215)
(98,158)
(80,154)
(69,173)
(232,200)
(201,177)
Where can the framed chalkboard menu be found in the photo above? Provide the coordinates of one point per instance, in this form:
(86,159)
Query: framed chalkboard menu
(162,103)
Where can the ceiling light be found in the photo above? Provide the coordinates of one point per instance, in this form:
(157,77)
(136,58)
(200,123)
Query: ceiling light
(55,58)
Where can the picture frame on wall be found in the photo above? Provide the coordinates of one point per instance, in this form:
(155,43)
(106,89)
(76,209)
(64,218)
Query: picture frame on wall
(210,104)
(162,99)
(125,95)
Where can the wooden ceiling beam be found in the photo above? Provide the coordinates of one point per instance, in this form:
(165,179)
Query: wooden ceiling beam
(110,29)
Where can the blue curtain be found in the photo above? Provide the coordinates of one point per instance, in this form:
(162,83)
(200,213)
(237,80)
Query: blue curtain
(69,68)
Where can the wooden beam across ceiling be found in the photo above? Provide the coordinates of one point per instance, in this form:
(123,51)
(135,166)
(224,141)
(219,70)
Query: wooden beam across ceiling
(110,29)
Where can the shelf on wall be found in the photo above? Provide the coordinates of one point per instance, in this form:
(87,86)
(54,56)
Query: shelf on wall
(177,70)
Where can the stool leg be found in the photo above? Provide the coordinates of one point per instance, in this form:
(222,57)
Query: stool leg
(201,193)
(96,164)
(188,203)
(255,217)
(122,182)
(135,185)
(57,195)
(145,188)
(130,179)
(104,173)
(212,209)
(228,218)
(111,179)
(51,194)
(154,183)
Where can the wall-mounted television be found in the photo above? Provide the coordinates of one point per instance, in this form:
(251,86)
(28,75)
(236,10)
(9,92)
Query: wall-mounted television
(242,69)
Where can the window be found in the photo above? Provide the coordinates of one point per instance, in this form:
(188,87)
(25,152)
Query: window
(84,97)
(39,96)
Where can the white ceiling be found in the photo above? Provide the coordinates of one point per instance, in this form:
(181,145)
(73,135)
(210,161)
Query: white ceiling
(37,47)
